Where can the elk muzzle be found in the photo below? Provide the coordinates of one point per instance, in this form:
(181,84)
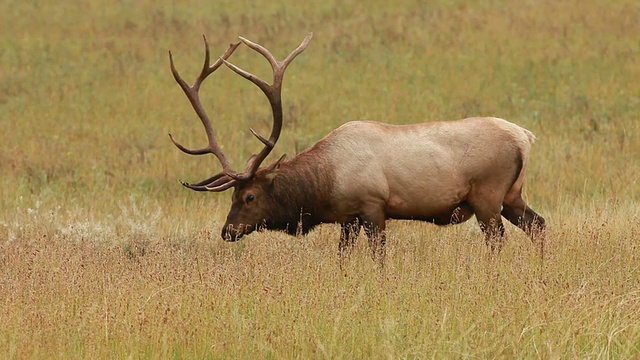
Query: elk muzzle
(232,233)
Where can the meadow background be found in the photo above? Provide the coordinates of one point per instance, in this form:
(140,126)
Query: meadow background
(104,255)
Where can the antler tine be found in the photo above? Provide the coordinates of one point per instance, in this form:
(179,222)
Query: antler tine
(218,182)
(273,93)
(226,178)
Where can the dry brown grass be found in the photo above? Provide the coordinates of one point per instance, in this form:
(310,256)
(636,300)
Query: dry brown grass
(153,292)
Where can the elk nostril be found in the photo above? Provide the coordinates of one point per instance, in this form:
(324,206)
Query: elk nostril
(231,233)
(227,233)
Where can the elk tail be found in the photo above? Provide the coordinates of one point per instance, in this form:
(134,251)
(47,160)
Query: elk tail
(524,141)
(530,136)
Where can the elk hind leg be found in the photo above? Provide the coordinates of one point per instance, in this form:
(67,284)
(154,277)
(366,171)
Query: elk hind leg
(522,216)
(490,221)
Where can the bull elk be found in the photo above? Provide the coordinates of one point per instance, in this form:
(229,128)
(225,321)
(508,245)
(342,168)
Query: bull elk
(366,172)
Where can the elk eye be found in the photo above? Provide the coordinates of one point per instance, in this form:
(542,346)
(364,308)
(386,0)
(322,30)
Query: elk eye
(250,198)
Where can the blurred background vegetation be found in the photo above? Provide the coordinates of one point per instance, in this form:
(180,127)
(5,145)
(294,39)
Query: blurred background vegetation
(87,99)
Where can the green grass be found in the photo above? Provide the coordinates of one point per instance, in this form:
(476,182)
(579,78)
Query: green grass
(105,255)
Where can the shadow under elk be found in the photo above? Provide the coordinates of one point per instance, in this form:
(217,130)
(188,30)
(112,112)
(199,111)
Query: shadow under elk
(366,172)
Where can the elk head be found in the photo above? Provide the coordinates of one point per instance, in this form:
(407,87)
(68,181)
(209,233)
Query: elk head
(251,204)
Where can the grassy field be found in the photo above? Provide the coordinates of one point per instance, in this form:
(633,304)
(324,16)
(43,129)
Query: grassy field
(104,255)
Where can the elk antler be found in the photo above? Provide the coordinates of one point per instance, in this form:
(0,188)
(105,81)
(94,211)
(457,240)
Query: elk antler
(227,177)
(273,93)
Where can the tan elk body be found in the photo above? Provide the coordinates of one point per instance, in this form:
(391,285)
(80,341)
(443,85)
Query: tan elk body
(366,172)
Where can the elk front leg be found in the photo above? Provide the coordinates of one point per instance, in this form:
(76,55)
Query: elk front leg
(374,227)
(348,234)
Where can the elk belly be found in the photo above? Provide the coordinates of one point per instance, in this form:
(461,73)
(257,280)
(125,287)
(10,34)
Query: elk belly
(436,205)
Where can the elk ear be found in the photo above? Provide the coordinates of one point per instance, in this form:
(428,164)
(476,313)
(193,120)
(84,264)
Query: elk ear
(272,170)
(276,165)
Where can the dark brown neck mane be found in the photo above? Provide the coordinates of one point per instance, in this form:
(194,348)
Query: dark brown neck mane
(301,193)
